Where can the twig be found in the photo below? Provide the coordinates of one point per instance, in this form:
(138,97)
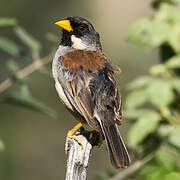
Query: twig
(34,66)
(78,158)
(133,168)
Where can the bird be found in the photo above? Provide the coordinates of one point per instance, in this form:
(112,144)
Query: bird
(84,80)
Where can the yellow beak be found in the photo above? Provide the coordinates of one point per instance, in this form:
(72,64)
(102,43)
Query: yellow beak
(65,24)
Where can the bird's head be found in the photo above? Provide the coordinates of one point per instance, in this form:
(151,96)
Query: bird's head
(79,34)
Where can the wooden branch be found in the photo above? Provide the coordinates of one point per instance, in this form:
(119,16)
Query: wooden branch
(78,158)
(34,66)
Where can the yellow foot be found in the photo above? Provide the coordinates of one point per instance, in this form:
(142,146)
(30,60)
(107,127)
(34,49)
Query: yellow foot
(71,135)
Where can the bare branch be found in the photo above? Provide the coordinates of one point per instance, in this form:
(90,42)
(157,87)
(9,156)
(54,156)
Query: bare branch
(78,158)
(34,66)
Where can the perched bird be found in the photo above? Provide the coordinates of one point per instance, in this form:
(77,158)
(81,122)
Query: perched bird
(84,80)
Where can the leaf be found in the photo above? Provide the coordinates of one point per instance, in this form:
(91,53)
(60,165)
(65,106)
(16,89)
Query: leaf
(139,82)
(173,62)
(136,98)
(12,66)
(148,33)
(158,69)
(168,13)
(148,169)
(6,21)
(172,176)
(135,113)
(27,39)
(25,90)
(163,27)
(9,47)
(2,147)
(166,159)
(158,174)
(174,37)
(165,130)
(174,137)
(160,93)
(176,84)
(142,128)
(24,99)
(156,3)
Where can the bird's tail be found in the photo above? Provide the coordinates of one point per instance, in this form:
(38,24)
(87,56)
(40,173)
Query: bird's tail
(116,147)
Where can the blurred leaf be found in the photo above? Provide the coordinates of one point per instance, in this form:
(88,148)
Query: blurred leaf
(25,90)
(24,99)
(163,27)
(168,13)
(158,174)
(175,82)
(160,93)
(158,69)
(9,47)
(12,66)
(174,136)
(171,15)
(148,33)
(157,3)
(139,82)
(174,37)
(142,128)
(174,62)
(27,39)
(148,169)
(2,147)
(165,159)
(165,130)
(136,113)
(136,98)
(6,21)
(172,176)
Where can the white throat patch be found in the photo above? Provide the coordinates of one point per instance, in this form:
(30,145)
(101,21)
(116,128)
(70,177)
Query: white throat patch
(77,43)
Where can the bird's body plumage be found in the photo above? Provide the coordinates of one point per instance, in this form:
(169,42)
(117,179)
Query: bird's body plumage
(85,82)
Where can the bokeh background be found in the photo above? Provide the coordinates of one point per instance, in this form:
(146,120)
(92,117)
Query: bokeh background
(34,142)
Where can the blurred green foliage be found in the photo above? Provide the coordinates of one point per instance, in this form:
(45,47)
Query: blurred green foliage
(22,96)
(153,102)
(163,166)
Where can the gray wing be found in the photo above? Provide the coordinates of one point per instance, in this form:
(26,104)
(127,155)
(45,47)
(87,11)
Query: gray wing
(76,89)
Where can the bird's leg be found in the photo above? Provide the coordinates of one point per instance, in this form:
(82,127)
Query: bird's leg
(71,135)
(100,137)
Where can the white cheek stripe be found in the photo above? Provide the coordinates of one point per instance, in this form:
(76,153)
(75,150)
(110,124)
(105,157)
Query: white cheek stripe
(77,43)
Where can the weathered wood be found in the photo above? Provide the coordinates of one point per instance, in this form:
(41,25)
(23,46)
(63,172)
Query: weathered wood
(78,158)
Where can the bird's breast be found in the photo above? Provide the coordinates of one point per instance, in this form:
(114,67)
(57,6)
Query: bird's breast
(88,60)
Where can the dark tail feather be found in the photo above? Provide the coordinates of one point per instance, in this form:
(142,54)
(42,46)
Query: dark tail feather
(117,150)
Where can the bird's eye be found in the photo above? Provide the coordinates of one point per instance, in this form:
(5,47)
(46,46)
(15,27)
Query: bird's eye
(83,28)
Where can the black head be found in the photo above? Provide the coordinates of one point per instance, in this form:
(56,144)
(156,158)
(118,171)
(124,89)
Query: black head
(79,34)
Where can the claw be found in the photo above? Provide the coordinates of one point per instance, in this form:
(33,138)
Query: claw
(71,135)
